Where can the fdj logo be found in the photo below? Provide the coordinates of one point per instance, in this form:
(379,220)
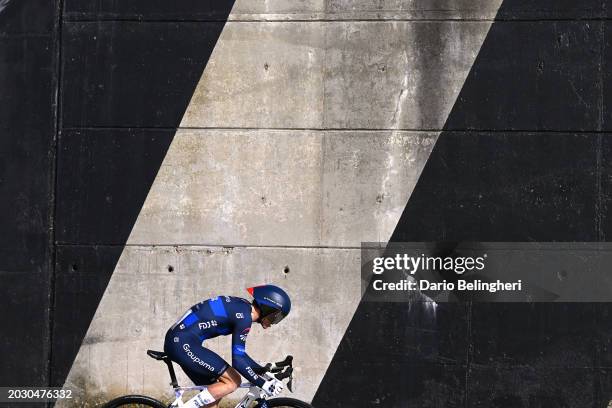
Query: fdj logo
(251,372)
(239,316)
(207,325)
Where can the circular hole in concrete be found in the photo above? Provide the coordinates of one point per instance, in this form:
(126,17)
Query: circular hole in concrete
(286,269)
(170,268)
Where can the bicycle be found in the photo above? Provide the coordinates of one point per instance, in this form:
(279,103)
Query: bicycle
(281,370)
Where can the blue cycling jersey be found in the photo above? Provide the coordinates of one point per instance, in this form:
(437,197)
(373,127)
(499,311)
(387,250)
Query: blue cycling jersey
(219,316)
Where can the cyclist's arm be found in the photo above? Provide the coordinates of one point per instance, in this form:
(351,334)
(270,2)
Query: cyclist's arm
(240,359)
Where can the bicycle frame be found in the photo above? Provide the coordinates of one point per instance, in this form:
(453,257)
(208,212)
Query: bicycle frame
(251,396)
(279,370)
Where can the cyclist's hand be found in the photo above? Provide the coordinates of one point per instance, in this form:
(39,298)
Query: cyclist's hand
(273,387)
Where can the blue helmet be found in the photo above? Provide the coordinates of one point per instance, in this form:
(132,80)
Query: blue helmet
(271,301)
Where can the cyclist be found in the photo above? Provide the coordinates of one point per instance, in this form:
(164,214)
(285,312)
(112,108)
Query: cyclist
(220,316)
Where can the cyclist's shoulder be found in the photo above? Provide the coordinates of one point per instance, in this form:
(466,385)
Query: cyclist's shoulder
(242,301)
(226,299)
(239,309)
(238,304)
(234,301)
(232,304)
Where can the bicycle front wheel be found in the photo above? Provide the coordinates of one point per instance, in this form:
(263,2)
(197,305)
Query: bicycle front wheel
(134,401)
(286,402)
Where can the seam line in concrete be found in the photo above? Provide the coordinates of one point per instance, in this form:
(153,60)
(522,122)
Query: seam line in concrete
(336,20)
(16,36)
(425,130)
(203,245)
(599,205)
(53,185)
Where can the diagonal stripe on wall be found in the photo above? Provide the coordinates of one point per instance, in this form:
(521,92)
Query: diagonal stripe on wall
(125,86)
(521,159)
(302,139)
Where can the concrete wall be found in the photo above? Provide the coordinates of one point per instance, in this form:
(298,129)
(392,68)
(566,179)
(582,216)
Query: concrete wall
(305,136)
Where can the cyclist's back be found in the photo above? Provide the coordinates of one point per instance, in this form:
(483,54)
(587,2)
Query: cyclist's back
(219,316)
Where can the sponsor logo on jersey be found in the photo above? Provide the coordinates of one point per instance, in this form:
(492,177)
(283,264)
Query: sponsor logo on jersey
(176,339)
(197,359)
(239,315)
(251,372)
(244,334)
(207,325)
(181,319)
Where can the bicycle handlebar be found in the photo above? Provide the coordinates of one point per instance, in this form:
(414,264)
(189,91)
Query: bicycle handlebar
(285,374)
(282,370)
(286,362)
(280,365)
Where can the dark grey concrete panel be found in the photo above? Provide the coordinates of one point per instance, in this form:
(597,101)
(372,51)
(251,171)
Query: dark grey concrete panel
(607,6)
(552,9)
(539,335)
(604,337)
(606,73)
(604,198)
(27,124)
(153,9)
(542,75)
(34,17)
(24,345)
(414,354)
(602,386)
(531,387)
(336,9)
(531,186)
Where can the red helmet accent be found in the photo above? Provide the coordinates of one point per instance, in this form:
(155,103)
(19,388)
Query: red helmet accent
(251,290)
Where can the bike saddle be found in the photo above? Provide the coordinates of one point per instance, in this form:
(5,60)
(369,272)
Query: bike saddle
(158,355)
